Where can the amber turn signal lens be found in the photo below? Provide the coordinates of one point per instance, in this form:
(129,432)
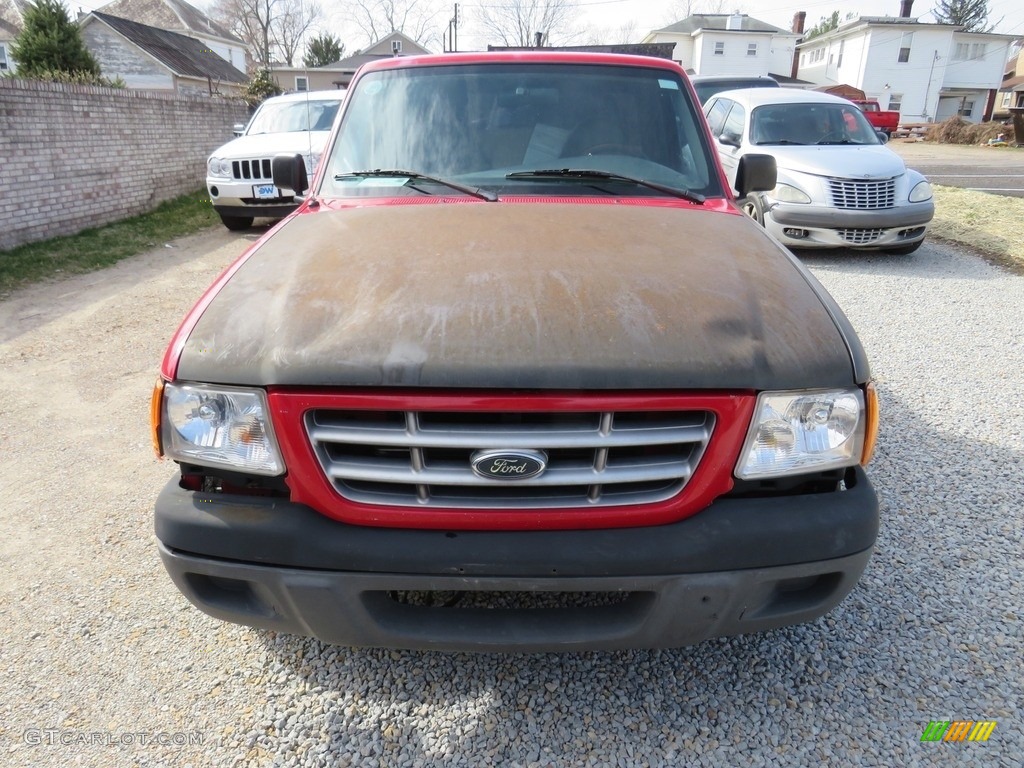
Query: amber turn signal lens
(871,425)
(154,416)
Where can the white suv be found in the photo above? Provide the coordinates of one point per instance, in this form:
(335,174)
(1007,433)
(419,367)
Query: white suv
(238,174)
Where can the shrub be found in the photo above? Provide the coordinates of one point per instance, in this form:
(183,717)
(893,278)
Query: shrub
(956,130)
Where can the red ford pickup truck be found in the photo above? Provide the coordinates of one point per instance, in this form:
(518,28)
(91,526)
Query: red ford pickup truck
(517,375)
(886,121)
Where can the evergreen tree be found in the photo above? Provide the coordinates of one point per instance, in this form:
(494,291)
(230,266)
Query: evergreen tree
(972,15)
(322,50)
(261,87)
(827,24)
(51,42)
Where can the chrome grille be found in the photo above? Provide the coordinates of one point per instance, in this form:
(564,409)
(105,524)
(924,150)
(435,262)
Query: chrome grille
(258,169)
(863,195)
(422,458)
(860,236)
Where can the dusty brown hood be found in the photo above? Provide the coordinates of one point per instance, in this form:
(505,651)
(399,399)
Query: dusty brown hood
(514,295)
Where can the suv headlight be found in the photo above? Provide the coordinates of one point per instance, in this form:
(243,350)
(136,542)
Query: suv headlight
(220,427)
(217,167)
(792,433)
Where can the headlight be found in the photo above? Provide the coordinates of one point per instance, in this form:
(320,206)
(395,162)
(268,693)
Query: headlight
(796,432)
(921,192)
(215,166)
(784,193)
(220,427)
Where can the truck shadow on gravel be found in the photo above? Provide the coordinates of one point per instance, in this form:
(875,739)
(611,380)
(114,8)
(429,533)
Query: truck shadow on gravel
(935,259)
(924,635)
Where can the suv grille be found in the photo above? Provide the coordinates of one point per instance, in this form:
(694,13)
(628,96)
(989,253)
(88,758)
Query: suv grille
(863,195)
(422,458)
(252,169)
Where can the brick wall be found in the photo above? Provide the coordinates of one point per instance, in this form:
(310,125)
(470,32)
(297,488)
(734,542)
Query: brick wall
(73,157)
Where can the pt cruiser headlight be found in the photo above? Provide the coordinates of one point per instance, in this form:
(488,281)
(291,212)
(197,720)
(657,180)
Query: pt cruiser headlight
(785,193)
(220,427)
(922,191)
(793,433)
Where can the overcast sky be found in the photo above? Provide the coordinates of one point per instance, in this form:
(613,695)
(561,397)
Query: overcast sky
(606,20)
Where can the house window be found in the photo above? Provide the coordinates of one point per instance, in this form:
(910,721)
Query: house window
(895,101)
(3,57)
(719,49)
(966,108)
(301,83)
(396,47)
(1006,99)
(905,43)
(978,51)
(839,61)
(751,49)
(962,52)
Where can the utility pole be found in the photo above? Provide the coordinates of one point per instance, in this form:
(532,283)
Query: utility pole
(452,43)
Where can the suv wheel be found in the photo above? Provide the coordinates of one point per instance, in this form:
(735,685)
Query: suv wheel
(235,223)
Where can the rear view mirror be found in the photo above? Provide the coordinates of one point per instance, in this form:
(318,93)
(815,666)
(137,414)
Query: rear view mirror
(756,173)
(730,139)
(289,172)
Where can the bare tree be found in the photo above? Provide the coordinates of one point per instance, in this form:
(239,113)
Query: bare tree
(416,19)
(519,22)
(296,17)
(269,27)
(683,9)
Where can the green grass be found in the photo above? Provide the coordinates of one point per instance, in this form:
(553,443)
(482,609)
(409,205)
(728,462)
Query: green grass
(100,247)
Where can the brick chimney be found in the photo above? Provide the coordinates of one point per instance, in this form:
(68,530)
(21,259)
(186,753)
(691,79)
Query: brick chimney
(798,27)
(905,6)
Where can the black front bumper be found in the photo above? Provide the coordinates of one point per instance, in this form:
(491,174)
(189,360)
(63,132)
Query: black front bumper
(741,565)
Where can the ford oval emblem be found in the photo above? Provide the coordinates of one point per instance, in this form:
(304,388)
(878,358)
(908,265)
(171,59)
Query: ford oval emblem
(509,465)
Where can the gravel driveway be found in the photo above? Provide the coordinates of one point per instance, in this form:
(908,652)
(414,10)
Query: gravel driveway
(104,664)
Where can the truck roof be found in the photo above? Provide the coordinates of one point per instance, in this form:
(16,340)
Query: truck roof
(538,56)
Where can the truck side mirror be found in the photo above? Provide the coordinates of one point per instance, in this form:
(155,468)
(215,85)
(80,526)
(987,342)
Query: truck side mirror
(756,173)
(289,172)
(882,136)
(238,129)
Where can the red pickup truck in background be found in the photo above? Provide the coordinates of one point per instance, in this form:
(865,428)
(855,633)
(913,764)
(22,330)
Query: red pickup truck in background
(883,120)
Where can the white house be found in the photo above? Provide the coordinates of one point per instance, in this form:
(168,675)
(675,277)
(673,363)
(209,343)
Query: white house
(925,71)
(724,44)
(11,12)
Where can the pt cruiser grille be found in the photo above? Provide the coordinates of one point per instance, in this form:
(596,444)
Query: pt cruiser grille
(863,195)
(424,458)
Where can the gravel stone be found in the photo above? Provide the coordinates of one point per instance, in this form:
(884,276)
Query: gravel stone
(98,641)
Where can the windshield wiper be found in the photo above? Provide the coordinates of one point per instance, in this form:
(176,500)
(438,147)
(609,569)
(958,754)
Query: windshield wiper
(398,174)
(582,173)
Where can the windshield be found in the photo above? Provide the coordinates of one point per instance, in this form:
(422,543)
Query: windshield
(286,117)
(708,88)
(811,124)
(478,123)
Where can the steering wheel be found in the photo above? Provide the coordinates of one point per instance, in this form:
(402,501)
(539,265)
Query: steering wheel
(834,136)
